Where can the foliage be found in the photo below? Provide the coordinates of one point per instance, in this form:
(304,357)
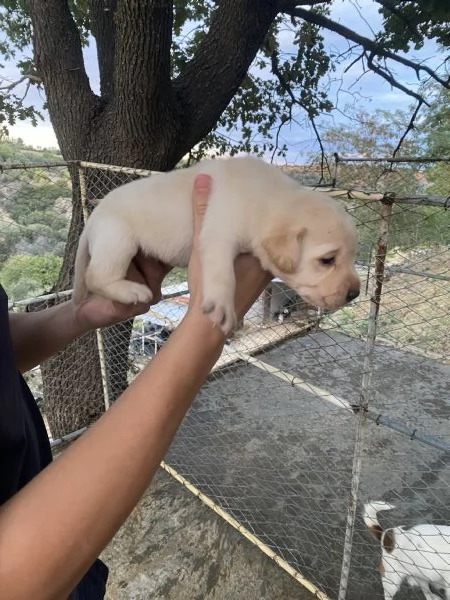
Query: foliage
(373,134)
(286,81)
(435,127)
(34,204)
(410,227)
(411,22)
(262,103)
(438,177)
(24,276)
(259,103)
(435,134)
(15,151)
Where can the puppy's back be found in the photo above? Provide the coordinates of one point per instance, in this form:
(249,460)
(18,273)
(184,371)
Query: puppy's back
(157,210)
(242,177)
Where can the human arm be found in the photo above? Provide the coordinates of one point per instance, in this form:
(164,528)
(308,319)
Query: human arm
(60,521)
(38,335)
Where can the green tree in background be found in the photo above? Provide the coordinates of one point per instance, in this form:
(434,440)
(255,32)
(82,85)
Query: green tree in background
(200,66)
(376,133)
(435,131)
(35,209)
(25,276)
(410,22)
(14,151)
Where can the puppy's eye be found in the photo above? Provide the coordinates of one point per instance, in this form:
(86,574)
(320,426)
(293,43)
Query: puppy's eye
(328,261)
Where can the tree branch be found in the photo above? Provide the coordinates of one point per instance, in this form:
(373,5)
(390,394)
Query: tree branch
(142,66)
(29,77)
(103,28)
(209,81)
(390,79)
(357,59)
(410,127)
(287,5)
(283,122)
(59,62)
(366,43)
(287,88)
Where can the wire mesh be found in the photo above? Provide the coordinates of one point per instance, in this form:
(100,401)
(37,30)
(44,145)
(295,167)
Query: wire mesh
(272,439)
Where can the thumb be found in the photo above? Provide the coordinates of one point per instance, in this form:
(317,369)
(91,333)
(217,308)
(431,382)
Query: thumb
(200,197)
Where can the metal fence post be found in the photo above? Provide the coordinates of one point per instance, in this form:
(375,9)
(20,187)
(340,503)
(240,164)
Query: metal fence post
(98,333)
(366,382)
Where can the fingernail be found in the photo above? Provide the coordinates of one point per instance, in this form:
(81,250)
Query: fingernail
(202,182)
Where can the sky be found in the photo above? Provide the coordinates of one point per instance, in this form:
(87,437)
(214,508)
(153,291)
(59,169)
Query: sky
(370,90)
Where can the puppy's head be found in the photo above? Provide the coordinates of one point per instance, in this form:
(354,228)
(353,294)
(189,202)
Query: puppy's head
(312,249)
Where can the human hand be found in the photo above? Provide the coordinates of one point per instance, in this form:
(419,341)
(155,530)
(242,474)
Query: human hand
(96,311)
(251,279)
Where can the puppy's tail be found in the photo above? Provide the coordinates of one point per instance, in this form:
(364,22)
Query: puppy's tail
(80,290)
(370,517)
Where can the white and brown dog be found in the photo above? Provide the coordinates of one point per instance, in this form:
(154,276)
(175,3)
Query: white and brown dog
(303,237)
(420,556)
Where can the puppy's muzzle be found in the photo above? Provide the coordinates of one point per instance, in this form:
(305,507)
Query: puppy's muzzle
(352,294)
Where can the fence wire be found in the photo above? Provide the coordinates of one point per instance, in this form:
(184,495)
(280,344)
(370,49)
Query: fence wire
(307,416)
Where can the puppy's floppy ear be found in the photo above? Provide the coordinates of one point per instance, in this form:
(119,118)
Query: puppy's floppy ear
(283,250)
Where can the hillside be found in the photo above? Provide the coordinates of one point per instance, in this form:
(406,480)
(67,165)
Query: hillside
(35,211)
(15,151)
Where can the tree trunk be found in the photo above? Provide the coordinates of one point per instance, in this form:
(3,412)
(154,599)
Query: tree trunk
(72,383)
(142,119)
(75,381)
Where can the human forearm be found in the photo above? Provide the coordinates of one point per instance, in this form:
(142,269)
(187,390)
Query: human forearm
(71,510)
(64,517)
(38,335)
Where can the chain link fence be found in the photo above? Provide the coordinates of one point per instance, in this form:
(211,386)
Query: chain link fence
(307,416)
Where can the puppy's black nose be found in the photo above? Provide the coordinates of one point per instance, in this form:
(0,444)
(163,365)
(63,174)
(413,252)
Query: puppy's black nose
(352,294)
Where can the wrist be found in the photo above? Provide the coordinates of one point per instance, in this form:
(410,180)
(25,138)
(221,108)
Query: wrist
(76,321)
(203,329)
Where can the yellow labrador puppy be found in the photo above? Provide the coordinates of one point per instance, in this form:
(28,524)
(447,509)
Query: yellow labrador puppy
(303,237)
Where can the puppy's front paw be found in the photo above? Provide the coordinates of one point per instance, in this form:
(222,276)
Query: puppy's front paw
(221,313)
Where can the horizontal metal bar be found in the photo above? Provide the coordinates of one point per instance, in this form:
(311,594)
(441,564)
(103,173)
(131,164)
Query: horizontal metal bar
(36,299)
(297,382)
(439,201)
(115,168)
(168,292)
(166,295)
(390,159)
(394,270)
(25,166)
(348,193)
(413,434)
(341,403)
(67,438)
(374,196)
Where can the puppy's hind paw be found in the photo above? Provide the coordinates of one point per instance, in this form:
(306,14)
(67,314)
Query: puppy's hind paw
(221,314)
(139,294)
(128,292)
